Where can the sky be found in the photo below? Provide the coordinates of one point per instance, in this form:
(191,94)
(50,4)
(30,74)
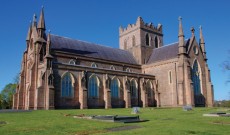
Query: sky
(98,21)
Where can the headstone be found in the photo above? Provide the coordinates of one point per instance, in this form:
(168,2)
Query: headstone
(136,110)
(187,108)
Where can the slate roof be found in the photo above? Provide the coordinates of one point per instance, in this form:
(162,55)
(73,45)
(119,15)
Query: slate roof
(165,52)
(91,49)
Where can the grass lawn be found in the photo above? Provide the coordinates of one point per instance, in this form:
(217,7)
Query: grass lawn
(162,121)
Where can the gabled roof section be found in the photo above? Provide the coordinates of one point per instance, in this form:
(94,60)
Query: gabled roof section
(91,50)
(165,52)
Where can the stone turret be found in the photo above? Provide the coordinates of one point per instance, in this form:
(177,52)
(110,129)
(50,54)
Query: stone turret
(181,45)
(41,25)
(202,44)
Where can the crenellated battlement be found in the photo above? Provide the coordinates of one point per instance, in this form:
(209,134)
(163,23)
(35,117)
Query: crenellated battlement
(141,24)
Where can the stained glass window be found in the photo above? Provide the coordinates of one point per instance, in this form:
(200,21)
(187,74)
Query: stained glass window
(67,85)
(114,88)
(196,78)
(93,87)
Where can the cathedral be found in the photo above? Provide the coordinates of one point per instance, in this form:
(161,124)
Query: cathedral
(59,72)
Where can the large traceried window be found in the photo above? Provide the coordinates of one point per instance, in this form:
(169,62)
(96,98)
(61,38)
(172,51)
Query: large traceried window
(196,78)
(114,87)
(93,87)
(133,89)
(67,88)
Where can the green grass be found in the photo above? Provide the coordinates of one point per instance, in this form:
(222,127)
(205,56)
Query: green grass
(163,121)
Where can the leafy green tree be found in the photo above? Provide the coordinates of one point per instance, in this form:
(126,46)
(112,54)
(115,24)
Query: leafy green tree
(7,96)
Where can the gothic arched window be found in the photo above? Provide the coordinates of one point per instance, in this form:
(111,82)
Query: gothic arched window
(196,78)
(147,40)
(42,52)
(114,87)
(67,85)
(133,89)
(50,80)
(72,62)
(156,42)
(170,77)
(94,65)
(133,41)
(93,86)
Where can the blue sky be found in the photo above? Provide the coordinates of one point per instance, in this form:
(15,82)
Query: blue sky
(98,21)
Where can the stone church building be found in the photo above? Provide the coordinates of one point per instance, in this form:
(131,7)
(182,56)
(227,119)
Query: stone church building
(60,72)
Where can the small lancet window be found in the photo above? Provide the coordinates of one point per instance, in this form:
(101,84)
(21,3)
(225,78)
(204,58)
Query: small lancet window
(170,77)
(156,42)
(42,53)
(50,80)
(147,40)
(72,62)
(125,44)
(133,41)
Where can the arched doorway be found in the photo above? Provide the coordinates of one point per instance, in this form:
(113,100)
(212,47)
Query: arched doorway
(199,99)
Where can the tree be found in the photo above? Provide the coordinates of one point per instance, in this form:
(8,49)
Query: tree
(0,101)
(7,96)
(226,67)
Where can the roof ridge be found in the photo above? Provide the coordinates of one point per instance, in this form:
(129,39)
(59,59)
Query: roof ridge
(171,44)
(89,42)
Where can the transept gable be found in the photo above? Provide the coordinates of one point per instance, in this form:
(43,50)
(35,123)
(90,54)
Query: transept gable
(194,49)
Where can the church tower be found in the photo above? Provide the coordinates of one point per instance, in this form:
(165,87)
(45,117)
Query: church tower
(140,39)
